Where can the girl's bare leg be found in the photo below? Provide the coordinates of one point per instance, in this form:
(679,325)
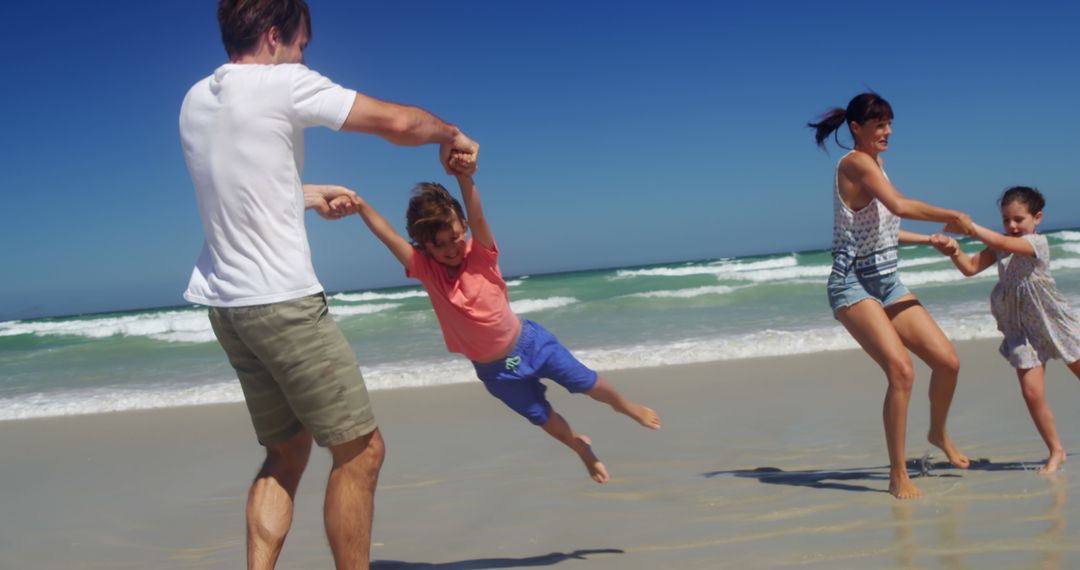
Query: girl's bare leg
(871,328)
(1033,387)
(921,334)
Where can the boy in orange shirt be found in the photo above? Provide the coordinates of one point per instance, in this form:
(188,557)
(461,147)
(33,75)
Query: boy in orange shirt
(469,296)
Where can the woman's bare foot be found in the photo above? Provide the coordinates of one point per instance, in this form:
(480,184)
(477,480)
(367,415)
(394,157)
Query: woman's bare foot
(901,487)
(644,416)
(1054,462)
(596,469)
(943,443)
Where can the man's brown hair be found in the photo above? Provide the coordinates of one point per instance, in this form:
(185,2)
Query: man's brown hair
(243,21)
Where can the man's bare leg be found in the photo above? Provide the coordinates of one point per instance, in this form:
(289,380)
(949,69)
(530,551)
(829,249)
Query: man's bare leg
(350,499)
(604,392)
(270,500)
(557,428)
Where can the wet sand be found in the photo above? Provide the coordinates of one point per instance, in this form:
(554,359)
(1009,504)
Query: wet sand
(762,463)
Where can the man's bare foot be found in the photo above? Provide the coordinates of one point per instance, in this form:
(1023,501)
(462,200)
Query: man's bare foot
(901,487)
(1054,462)
(644,416)
(958,460)
(596,469)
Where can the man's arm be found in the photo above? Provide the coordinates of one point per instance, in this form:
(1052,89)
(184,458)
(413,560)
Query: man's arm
(330,201)
(408,126)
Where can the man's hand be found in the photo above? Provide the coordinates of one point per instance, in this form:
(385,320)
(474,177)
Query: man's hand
(462,164)
(463,149)
(330,201)
(945,244)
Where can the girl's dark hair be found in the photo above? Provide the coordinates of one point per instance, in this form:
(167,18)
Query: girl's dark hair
(864,107)
(1030,197)
(431,209)
(243,21)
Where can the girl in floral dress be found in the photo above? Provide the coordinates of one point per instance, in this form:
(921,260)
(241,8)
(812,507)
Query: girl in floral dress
(1037,322)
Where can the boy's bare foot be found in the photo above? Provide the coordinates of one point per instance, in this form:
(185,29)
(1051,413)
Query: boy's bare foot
(596,469)
(943,443)
(1054,462)
(901,487)
(644,416)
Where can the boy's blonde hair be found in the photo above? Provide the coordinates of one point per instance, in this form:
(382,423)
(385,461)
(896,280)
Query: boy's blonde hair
(431,209)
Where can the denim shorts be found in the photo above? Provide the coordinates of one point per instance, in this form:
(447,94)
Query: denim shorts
(846,290)
(515,380)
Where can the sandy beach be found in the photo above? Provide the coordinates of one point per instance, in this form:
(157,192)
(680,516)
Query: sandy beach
(761,463)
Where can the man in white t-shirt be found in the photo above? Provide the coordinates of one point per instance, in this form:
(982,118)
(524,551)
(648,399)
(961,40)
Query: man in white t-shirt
(242,132)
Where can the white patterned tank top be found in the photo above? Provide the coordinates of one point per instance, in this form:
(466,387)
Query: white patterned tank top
(865,240)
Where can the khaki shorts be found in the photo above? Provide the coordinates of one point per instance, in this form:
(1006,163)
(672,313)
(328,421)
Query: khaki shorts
(296,370)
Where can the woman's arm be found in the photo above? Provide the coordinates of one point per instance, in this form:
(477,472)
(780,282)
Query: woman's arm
(913,238)
(863,170)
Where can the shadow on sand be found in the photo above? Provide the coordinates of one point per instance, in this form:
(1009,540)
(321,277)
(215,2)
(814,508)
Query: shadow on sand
(842,479)
(485,563)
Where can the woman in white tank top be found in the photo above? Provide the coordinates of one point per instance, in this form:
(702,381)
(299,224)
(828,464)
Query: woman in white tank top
(866,294)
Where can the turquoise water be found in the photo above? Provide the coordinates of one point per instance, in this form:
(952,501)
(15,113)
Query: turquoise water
(630,317)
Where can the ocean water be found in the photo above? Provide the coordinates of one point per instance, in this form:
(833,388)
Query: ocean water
(697,311)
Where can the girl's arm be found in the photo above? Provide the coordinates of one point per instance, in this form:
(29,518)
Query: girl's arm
(967,264)
(402,249)
(865,171)
(1004,242)
(907,237)
(474,211)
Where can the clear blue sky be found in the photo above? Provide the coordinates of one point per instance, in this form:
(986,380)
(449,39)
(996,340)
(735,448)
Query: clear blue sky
(612,133)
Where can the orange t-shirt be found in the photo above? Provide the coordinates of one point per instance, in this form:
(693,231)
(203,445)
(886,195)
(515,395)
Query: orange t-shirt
(473,306)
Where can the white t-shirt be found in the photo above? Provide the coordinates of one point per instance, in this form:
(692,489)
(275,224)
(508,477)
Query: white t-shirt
(242,130)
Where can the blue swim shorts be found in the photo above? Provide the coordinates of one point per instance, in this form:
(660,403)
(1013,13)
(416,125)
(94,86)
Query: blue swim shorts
(845,291)
(516,379)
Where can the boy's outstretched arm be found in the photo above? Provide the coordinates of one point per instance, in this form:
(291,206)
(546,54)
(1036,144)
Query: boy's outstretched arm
(474,210)
(402,249)
(967,264)
(1003,242)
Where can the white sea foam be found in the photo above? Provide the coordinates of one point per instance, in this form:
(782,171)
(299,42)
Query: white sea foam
(1066,235)
(179,326)
(714,268)
(514,282)
(534,305)
(1057,264)
(960,322)
(687,293)
(372,296)
(940,276)
(921,261)
(1071,247)
(169,326)
(109,399)
(351,310)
